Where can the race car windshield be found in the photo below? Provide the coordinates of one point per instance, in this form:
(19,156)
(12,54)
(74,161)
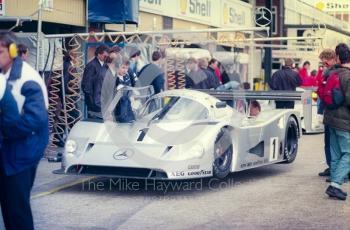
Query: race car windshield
(173,109)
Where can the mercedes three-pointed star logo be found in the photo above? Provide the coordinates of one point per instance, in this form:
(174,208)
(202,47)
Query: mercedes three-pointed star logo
(263,16)
(123,154)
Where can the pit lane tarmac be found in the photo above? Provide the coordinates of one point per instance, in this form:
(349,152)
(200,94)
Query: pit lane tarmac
(277,196)
(154,187)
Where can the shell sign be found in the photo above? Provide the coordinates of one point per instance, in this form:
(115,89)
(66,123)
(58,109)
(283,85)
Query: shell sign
(183,6)
(199,8)
(333,5)
(233,14)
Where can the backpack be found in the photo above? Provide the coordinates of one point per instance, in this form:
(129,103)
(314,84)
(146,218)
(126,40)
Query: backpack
(330,92)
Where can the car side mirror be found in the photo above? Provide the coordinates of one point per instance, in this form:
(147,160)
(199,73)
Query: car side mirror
(220,104)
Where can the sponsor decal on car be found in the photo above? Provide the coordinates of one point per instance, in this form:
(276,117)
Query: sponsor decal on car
(178,174)
(199,173)
(255,163)
(193,167)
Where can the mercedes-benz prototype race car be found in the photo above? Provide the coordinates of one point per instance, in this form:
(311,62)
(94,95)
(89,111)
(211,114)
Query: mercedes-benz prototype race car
(181,134)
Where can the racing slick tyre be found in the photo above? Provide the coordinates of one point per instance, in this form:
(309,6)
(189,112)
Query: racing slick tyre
(222,154)
(291,140)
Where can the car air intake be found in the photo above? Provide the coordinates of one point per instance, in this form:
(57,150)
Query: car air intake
(167,149)
(118,171)
(90,145)
(142,135)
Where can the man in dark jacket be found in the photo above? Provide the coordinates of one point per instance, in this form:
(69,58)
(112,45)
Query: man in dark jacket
(116,79)
(195,79)
(338,121)
(152,74)
(92,80)
(229,74)
(25,141)
(213,66)
(285,79)
(212,82)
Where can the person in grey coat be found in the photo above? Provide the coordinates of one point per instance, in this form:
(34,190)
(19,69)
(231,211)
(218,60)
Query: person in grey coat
(114,79)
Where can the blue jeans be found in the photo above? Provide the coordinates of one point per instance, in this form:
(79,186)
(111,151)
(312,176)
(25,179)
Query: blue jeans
(327,148)
(229,85)
(340,154)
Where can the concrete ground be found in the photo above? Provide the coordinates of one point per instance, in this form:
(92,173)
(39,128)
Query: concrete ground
(279,196)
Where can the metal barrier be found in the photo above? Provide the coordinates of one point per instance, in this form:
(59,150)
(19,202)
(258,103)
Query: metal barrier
(311,121)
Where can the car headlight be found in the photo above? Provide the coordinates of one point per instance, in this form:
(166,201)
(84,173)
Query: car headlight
(71,146)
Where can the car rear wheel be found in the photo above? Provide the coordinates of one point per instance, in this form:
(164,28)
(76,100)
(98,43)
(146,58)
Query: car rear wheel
(291,140)
(223,150)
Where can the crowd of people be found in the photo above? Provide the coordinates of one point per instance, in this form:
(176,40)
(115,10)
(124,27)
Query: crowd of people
(336,118)
(204,74)
(310,77)
(112,68)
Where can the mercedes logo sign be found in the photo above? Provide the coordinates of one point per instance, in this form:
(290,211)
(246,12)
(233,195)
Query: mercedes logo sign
(263,16)
(123,154)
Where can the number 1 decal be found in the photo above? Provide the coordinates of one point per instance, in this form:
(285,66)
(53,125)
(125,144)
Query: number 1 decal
(273,148)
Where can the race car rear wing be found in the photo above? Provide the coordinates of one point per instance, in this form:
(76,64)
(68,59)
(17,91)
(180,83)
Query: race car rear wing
(279,95)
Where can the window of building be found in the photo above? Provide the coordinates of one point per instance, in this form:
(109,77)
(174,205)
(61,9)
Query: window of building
(213,34)
(167,23)
(274,20)
(48,5)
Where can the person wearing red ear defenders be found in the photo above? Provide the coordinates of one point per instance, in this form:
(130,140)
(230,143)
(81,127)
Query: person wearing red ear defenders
(24,134)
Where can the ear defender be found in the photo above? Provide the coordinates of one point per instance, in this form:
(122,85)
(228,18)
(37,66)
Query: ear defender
(13,50)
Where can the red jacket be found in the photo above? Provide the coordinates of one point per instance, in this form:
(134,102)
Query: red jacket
(306,79)
(319,77)
(218,74)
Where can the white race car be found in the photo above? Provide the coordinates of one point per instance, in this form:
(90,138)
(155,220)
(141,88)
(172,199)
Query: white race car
(181,134)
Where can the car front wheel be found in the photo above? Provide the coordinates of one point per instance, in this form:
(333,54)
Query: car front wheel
(223,150)
(291,140)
